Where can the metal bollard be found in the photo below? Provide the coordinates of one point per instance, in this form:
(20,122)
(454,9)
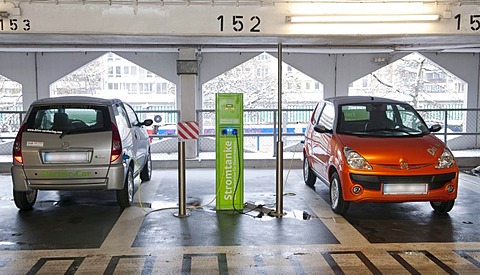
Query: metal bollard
(279,203)
(181,182)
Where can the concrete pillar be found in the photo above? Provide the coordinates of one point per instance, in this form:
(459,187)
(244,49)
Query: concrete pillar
(185,98)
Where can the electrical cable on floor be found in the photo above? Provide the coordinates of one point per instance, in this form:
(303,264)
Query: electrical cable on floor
(204,205)
(288,172)
(286,179)
(139,185)
(140,194)
(238,177)
(218,189)
(260,206)
(167,208)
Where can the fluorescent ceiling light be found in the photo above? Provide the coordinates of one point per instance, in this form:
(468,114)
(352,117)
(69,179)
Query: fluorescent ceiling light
(362,18)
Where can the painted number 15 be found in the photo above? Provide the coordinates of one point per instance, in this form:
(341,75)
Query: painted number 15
(474,21)
(238,23)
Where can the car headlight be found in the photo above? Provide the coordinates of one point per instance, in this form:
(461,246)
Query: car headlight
(446,160)
(355,160)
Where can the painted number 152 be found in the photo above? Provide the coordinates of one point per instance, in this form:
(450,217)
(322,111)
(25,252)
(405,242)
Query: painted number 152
(238,24)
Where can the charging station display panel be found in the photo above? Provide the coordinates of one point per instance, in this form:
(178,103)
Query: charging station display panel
(229,151)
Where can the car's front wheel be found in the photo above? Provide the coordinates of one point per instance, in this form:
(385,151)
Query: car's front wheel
(146,173)
(338,204)
(125,195)
(25,200)
(442,206)
(308,175)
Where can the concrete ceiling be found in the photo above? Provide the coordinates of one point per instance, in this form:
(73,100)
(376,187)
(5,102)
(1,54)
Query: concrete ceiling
(28,42)
(330,44)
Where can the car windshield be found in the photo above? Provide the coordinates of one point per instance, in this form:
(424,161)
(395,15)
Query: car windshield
(380,119)
(67,119)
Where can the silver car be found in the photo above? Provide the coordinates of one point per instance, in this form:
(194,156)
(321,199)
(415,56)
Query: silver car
(76,142)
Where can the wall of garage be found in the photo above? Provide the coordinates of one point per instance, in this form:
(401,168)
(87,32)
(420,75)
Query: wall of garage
(36,71)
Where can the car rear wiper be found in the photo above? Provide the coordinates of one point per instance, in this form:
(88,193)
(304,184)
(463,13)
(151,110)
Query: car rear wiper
(76,131)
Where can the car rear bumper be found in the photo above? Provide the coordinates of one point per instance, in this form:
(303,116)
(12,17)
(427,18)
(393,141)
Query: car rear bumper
(372,187)
(68,179)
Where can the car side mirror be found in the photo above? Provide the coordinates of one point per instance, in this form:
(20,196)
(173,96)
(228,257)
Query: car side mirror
(321,129)
(147,122)
(435,128)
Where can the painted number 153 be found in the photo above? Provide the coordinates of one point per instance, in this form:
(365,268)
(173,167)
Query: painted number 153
(239,23)
(15,24)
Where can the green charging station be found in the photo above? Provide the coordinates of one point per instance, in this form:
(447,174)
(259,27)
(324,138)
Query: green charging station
(229,151)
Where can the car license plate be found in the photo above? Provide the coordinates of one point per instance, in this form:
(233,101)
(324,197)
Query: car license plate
(66,157)
(401,189)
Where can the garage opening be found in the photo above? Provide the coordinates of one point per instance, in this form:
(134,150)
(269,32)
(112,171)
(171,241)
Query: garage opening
(11,99)
(414,79)
(257,80)
(112,76)
(436,93)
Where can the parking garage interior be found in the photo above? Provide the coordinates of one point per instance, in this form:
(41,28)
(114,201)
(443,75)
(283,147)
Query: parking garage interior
(84,232)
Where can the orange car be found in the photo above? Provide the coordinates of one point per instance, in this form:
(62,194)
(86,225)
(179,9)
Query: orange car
(371,149)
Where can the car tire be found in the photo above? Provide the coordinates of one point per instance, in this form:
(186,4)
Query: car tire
(125,195)
(442,206)
(146,173)
(338,204)
(25,200)
(308,175)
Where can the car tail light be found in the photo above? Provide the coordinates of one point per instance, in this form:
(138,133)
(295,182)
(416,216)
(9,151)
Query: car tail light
(17,146)
(116,144)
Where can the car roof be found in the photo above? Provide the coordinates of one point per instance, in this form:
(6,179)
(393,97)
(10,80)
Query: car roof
(342,100)
(75,99)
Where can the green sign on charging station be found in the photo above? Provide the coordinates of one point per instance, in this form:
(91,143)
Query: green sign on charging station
(229,151)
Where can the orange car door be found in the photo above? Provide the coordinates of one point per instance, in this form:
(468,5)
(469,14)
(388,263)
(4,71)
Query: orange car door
(321,140)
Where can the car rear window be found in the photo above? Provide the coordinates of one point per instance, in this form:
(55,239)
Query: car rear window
(68,118)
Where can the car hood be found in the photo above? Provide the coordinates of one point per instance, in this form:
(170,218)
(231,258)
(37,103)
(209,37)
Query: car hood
(395,150)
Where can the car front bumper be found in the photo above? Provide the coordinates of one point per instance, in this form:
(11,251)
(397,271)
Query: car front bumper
(372,187)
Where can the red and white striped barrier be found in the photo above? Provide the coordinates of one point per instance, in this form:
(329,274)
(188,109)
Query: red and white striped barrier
(188,130)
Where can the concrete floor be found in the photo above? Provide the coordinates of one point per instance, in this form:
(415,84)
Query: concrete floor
(84,232)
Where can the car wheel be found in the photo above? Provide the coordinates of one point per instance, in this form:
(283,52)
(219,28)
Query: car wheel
(338,205)
(146,173)
(25,200)
(442,206)
(308,175)
(125,196)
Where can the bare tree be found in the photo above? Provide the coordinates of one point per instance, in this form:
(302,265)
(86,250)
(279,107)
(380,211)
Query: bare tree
(408,77)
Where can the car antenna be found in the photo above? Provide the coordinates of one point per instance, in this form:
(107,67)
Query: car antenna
(371,98)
